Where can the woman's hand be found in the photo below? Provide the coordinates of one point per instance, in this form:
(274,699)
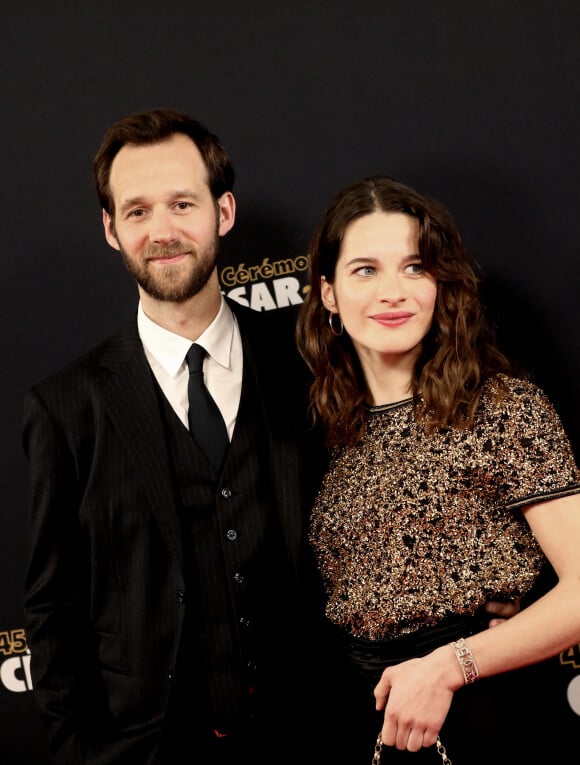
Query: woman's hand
(416,696)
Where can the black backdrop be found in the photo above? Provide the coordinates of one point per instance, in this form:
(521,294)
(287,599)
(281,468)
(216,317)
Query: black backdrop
(475,103)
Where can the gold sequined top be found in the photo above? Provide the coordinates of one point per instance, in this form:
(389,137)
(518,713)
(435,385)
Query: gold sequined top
(409,528)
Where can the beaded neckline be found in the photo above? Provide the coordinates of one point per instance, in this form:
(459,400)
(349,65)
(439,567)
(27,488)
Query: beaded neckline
(386,407)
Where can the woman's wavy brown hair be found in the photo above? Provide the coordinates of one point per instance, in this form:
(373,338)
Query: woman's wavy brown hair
(459,353)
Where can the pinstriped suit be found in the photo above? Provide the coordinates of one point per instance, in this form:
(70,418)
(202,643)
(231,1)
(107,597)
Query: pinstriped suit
(106,569)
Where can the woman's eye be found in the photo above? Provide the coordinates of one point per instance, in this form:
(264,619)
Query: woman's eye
(365,271)
(415,268)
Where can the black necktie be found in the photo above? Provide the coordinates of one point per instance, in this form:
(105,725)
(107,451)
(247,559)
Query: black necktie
(206,423)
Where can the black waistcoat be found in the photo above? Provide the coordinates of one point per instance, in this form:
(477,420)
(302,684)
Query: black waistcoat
(235,572)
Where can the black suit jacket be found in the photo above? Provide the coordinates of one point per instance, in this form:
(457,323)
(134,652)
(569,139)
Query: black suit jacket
(106,559)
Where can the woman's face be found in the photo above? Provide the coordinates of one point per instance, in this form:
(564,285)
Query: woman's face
(384,297)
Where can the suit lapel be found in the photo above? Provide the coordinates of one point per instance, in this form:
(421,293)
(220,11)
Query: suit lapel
(130,397)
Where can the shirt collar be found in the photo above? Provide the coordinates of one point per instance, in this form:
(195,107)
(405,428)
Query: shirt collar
(169,349)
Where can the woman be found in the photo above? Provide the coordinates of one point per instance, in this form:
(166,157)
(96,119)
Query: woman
(451,482)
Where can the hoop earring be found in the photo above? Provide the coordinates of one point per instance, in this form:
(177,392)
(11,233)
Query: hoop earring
(331,324)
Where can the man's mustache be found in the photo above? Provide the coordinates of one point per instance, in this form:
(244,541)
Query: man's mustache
(166,250)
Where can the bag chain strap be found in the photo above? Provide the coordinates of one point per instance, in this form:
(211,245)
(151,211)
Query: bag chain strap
(440,749)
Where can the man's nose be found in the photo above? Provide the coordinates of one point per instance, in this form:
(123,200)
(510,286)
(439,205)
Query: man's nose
(162,227)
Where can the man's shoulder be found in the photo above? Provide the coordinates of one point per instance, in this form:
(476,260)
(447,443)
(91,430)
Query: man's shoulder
(269,331)
(116,346)
(279,320)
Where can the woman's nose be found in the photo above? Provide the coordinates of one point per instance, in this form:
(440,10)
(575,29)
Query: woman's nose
(391,288)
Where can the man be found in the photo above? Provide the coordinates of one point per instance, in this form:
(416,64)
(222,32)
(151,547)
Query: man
(163,593)
(160,589)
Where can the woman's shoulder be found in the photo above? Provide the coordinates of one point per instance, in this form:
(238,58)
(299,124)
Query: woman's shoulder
(512,395)
(509,385)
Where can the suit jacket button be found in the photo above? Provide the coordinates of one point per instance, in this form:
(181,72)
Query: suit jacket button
(232,535)
(180,596)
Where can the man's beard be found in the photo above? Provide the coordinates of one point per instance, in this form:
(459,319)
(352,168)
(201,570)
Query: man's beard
(170,283)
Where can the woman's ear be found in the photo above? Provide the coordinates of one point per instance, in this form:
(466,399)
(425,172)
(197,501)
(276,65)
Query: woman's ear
(327,295)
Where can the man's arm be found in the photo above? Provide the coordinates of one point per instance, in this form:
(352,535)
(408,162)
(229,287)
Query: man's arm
(54,583)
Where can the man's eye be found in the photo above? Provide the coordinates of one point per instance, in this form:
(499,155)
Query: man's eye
(138,213)
(183,205)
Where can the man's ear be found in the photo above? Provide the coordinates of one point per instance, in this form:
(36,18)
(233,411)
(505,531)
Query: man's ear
(327,295)
(226,213)
(110,234)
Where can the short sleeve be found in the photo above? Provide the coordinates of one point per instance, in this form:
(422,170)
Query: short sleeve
(534,457)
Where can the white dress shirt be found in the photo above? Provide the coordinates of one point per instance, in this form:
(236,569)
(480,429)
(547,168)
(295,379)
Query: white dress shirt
(222,367)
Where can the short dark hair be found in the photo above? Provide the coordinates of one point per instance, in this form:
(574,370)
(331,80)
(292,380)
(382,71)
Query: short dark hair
(156,126)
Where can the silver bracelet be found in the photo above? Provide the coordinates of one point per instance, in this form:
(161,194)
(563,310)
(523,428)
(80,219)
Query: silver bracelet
(466,661)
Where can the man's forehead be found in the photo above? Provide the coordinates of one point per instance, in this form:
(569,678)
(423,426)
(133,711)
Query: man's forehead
(174,163)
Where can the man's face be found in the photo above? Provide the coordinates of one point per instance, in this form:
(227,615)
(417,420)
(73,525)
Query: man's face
(166,222)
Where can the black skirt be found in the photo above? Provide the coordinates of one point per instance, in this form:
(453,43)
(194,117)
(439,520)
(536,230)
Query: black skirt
(494,720)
